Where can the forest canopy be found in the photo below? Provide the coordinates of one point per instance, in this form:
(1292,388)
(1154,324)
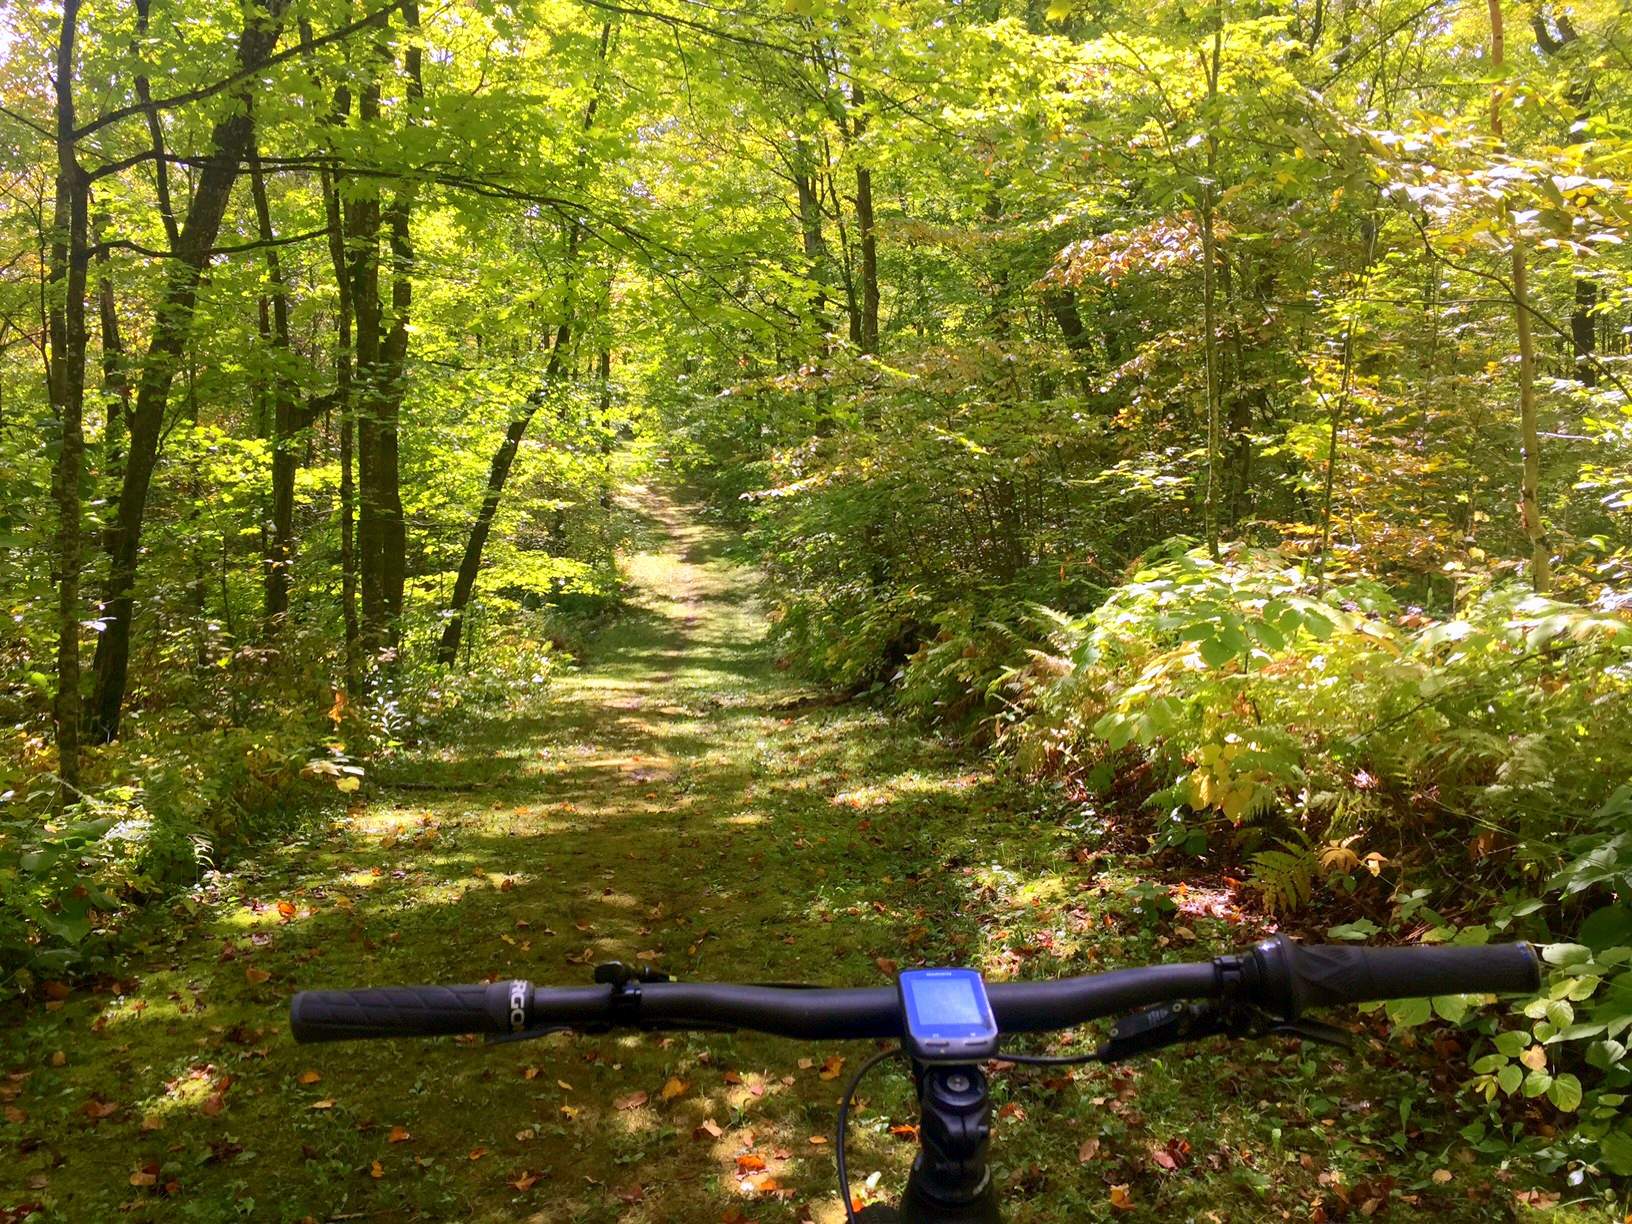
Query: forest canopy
(1221,410)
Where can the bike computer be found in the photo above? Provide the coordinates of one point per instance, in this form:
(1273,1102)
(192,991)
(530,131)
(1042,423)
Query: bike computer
(945,1015)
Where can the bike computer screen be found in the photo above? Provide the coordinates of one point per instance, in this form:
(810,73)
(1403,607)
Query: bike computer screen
(946,1015)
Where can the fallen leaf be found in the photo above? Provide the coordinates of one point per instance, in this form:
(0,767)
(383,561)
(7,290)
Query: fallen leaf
(476,1153)
(256,976)
(709,1129)
(633,1101)
(569,1112)
(147,1175)
(376,1170)
(525,1181)
(15,1115)
(1088,1150)
(886,966)
(59,1059)
(675,1087)
(324,1104)
(749,1163)
(1442,1176)
(818,1140)
(764,1185)
(903,1131)
(399,1134)
(832,1065)
(632,1194)
(309,1077)
(1121,1199)
(98,1109)
(563,1085)
(286,909)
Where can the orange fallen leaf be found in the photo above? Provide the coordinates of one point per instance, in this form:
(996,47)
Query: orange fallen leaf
(286,909)
(525,1181)
(529,1073)
(376,1170)
(765,1185)
(399,1134)
(832,1065)
(16,1116)
(256,976)
(309,1077)
(676,1087)
(749,1163)
(147,1175)
(886,966)
(476,1153)
(59,1059)
(1121,1199)
(99,1109)
(818,1140)
(632,1194)
(902,1131)
(633,1101)
(569,1112)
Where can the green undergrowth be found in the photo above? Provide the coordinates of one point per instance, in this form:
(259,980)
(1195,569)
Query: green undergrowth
(680,802)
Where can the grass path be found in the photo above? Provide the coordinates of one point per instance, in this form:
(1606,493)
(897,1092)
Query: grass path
(677,800)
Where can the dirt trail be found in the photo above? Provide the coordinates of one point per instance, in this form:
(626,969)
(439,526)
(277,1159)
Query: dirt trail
(673,801)
(651,808)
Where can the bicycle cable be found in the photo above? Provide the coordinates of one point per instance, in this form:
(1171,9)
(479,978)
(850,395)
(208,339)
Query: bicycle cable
(1051,1060)
(844,1121)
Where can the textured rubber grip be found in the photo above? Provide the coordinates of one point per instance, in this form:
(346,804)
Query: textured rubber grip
(405,1011)
(1300,976)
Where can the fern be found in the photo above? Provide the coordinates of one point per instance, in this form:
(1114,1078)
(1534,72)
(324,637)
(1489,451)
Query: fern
(1286,878)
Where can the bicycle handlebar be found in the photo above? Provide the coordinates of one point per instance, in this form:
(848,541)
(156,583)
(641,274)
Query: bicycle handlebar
(1278,975)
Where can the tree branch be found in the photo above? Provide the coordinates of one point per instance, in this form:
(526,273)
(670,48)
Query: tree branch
(210,90)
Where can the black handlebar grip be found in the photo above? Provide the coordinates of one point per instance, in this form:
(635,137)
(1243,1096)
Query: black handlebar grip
(410,1011)
(1299,976)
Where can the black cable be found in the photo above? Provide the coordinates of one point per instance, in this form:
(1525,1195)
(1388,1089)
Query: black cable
(844,1119)
(1051,1060)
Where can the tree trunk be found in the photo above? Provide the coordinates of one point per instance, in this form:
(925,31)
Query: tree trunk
(287,419)
(171,329)
(1209,305)
(470,565)
(1541,575)
(362,226)
(69,265)
(868,238)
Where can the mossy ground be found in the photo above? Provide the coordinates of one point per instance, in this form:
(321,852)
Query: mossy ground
(678,800)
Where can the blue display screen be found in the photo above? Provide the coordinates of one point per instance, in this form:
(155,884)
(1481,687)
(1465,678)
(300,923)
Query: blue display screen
(946,1001)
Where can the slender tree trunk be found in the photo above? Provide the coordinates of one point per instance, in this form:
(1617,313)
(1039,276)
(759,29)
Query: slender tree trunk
(287,419)
(393,528)
(362,222)
(1541,573)
(1209,255)
(470,565)
(69,261)
(865,229)
(115,375)
(172,328)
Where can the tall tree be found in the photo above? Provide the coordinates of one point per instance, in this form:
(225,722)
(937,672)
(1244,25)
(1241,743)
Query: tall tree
(172,327)
(70,259)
